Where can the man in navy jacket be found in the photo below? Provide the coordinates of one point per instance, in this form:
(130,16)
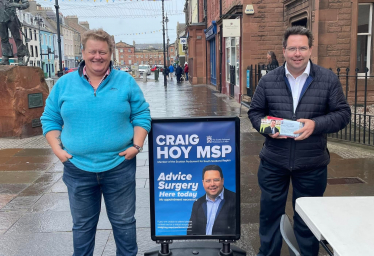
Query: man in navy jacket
(215,212)
(300,91)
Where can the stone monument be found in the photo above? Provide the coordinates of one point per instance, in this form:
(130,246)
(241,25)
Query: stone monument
(10,21)
(22,99)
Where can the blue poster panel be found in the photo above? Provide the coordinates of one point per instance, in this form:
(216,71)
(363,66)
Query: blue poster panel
(194,178)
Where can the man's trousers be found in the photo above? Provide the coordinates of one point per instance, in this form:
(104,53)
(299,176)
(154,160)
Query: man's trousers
(274,183)
(5,45)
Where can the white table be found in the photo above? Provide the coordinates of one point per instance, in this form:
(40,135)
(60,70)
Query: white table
(346,223)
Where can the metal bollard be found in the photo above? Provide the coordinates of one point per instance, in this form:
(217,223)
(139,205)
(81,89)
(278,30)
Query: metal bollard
(144,76)
(156,74)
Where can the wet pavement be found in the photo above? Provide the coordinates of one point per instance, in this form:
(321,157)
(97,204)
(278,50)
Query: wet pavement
(34,209)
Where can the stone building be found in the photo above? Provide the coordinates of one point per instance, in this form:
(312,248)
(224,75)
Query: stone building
(342,31)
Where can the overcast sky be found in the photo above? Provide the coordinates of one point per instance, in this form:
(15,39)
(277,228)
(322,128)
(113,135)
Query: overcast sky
(123,18)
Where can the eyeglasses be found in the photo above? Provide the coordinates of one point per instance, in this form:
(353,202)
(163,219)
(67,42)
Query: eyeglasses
(294,49)
(214,181)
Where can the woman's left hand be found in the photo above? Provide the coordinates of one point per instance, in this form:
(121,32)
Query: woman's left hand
(129,153)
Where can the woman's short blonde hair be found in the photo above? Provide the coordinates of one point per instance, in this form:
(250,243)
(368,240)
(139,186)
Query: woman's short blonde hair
(98,34)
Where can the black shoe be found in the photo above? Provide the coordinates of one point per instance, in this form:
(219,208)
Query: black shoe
(5,61)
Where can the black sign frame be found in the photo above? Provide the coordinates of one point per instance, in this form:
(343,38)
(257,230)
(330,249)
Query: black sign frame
(230,237)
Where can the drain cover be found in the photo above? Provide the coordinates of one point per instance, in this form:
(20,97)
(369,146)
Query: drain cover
(348,180)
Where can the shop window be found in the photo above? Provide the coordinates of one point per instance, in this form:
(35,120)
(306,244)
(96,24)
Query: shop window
(232,57)
(364,31)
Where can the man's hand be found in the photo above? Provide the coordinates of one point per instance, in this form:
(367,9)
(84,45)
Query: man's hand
(129,153)
(276,136)
(307,130)
(62,155)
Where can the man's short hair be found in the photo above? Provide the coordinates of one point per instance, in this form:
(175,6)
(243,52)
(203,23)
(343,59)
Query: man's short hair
(272,120)
(100,35)
(297,30)
(212,167)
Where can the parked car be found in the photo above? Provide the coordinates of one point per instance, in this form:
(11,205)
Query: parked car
(71,70)
(145,69)
(160,67)
(126,69)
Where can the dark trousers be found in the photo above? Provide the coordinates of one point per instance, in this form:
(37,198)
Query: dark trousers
(14,29)
(178,78)
(274,183)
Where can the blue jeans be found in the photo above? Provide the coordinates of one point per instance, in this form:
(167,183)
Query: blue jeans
(118,188)
(186,76)
(274,183)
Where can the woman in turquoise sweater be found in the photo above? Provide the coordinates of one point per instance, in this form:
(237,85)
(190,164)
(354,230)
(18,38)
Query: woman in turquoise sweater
(96,120)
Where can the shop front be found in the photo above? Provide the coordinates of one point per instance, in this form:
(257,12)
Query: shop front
(210,36)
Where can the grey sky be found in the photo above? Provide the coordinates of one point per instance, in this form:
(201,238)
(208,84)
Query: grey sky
(122,18)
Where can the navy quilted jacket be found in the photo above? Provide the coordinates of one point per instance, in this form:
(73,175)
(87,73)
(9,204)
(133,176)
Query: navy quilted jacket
(321,100)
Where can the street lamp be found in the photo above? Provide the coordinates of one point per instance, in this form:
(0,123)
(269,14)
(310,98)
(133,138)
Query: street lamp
(40,20)
(59,73)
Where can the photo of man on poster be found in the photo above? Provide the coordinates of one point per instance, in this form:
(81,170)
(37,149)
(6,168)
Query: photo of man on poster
(215,212)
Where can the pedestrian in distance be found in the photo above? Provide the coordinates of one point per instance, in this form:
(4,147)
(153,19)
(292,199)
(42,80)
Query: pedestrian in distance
(166,72)
(272,62)
(313,96)
(96,120)
(171,71)
(186,70)
(178,73)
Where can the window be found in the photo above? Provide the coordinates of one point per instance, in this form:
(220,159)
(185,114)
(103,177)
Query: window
(31,63)
(30,33)
(171,49)
(38,63)
(146,56)
(121,56)
(36,52)
(364,31)
(121,50)
(31,51)
(141,56)
(53,68)
(25,32)
(35,35)
(129,50)
(130,62)
(232,57)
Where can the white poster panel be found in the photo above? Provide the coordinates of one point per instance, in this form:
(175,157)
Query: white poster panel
(231,28)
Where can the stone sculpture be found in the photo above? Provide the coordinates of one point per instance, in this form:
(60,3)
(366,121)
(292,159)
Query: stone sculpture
(9,20)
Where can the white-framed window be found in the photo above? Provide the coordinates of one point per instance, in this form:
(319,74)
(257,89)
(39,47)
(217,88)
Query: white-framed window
(129,50)
(130,62)
(121,50)
(232,57)
(364,32)
(121,56)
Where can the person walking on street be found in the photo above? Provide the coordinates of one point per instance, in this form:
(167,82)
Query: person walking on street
(186,70)
(305,92)
(178,73)
(166,72)
(96,120)
(171,71)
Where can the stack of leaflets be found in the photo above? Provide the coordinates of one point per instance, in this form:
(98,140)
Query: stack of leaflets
(285,127)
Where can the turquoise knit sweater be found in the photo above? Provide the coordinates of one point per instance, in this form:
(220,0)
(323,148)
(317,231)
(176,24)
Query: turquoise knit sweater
(95,128)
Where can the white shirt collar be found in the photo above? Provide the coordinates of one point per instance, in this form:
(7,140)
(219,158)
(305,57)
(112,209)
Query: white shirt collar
(306,71)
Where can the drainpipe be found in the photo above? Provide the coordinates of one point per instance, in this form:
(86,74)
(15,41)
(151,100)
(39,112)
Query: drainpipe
(206,45)
(220,50)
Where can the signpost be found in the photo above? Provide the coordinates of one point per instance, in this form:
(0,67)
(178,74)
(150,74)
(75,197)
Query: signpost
(193,160)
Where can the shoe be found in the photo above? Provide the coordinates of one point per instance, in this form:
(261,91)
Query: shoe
(21,61)
(5,61)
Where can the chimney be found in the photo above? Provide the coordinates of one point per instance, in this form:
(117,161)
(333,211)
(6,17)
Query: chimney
(85,24)
(72,18)
(133,43)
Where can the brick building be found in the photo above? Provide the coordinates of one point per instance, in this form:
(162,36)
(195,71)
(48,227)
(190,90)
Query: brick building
(342,31)
(127,54)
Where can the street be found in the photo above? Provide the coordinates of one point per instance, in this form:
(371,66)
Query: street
(35,217)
